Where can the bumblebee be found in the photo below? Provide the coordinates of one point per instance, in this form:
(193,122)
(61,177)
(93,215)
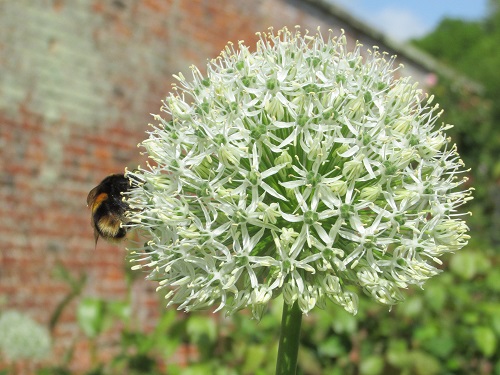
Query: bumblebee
(108,208)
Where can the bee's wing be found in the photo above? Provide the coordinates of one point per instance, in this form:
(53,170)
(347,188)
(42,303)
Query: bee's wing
(96,233)
(91,200)
(92,195)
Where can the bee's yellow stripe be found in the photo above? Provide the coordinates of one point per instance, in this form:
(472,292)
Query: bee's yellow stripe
(98,200)
(109,225)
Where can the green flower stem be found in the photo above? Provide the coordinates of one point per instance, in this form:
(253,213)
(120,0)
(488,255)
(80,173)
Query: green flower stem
(289,340)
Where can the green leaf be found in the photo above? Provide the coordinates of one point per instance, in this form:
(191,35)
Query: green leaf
(426,333)
(471,317)
(425,364)
(463,265)
(486,340)
(201,328)
(332,347)
(197,369)
(62,273)
(435,295)
(411,307)
(454,363)
(254,358)
(308,362)
(90,316)
(163,339)
(49,371)
(495,323)
(468,264)
(343,322)
(397,353)
(493,280)
(120,309)
(373,365)
(441,346)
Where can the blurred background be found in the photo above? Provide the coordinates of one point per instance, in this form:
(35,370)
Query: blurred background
(79,80)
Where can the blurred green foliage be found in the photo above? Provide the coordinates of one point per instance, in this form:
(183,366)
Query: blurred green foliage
(471,48)
(452,326)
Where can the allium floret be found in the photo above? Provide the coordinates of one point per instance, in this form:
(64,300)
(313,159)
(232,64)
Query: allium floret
(22,338)
(301,169)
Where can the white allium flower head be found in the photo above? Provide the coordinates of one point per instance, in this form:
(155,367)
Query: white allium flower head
(23,338)
(297,170)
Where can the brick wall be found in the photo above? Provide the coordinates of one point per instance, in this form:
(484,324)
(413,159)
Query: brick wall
(78,81)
